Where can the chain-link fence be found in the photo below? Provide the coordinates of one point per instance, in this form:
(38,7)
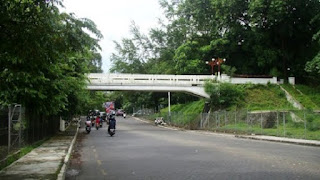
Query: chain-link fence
(143,112)
(302,124)
(20,128)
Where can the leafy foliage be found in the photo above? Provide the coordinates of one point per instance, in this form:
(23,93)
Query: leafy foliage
(44,55)
(257,37)
(223,95)
(314,66)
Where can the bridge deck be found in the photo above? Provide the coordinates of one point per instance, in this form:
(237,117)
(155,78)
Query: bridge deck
(163,83)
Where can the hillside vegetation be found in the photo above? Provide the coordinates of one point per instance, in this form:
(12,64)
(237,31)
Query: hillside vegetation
(285,121)
(264,97)
(256,97)
(307,96)
(275,38)
(195,107)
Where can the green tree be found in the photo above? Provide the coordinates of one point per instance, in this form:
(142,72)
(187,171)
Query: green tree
(313,66)
(188,59)
(44,55)
(223,95)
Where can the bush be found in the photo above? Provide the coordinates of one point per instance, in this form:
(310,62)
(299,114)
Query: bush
(223,95)
(313,126)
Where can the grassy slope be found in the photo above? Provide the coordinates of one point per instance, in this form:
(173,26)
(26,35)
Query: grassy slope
(195,107)
(257,97)
(312,93)
(263,97)
(181,114)
(307,96)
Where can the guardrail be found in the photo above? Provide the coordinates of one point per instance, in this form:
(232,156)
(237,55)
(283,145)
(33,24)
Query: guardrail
(159,79)
(154,79)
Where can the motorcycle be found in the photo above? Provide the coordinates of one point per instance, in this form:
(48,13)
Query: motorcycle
(112,127)
(159,121)
(93,120)
(97,125)
(88,126)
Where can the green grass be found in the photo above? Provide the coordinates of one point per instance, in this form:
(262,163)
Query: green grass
(309,98)
(23,151)
(308,129)
(195,107)
(182,115)
(257,97)
(262,97)
(313,93)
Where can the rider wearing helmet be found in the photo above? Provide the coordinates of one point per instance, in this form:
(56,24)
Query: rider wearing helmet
(112,121)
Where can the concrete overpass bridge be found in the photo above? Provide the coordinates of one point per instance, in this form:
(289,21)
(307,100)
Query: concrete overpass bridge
(192,84)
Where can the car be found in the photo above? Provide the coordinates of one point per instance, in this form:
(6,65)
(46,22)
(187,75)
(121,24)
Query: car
(119,112)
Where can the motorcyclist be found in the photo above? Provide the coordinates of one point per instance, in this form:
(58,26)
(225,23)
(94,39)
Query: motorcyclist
(112,121)
(98,120)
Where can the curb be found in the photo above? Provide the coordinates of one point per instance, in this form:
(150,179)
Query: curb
(280,140)
(62,173)
(138,119)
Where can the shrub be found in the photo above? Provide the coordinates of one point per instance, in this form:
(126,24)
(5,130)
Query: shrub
(313,126)
(223,95)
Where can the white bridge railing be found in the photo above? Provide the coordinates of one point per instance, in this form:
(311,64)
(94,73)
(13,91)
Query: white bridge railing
(149,79)
(163,83)
(173,80)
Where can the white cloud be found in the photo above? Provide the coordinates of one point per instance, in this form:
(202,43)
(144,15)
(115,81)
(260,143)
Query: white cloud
(113,19)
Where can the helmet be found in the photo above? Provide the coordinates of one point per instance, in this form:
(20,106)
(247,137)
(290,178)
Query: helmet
(112,114)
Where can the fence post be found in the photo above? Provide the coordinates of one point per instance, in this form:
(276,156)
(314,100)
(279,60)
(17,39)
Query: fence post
(189,124)
(20,126)
(219,119)
(261,123)
(201,120)
(225,118)
(209,120)
(277,123)
(305,124)
(235,118)
(9,128)
(284,124)
(247,121)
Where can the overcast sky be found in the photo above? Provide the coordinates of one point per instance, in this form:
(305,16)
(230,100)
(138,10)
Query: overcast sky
(113,19)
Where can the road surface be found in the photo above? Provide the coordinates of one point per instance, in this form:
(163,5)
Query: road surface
(141,150)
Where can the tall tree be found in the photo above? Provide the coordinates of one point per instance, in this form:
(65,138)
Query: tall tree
(44,55)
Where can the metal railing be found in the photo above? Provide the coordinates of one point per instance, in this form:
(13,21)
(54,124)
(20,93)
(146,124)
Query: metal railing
(147,79)
(161,79)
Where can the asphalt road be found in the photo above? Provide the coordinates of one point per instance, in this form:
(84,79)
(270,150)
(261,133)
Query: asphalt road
(143,151)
